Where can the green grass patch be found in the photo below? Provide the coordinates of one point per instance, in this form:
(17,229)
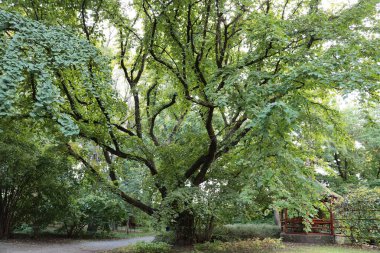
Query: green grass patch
(123,235)
(287,249)
(323,249)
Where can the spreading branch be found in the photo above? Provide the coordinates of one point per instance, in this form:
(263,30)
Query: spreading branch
(132,201)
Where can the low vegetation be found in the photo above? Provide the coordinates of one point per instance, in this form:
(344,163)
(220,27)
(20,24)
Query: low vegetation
(244,246)
(358,215)
(246,231)
(166,237)
(324,249)
(144,247)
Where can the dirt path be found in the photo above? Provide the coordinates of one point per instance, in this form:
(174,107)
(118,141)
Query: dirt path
(66,246)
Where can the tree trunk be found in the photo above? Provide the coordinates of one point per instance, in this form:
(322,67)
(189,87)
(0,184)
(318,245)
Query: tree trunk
(277,219)
(36,231)
(5,225)
(204,228)
(92,228)
(185,229)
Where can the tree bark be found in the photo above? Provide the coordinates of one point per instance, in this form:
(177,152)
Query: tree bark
(338,163)
(92,228)
(5,225)
(185,229)
(277,219)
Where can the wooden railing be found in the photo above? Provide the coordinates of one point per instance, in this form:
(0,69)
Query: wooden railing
(295,225)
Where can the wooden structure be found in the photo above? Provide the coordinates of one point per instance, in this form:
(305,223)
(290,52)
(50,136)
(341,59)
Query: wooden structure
(322,226)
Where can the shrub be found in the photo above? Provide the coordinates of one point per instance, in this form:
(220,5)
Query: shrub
(155,247)
(246,246)
(358,217)
(206,247)
(246,231)
(167,237)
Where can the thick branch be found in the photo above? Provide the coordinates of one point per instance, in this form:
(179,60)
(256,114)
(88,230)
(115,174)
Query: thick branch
(83,16)
(200,177)
(76,113)
(133,80)
(204,161)
(123,129)
(148,104)
(137,113)
(172,69)
(134,202)
(110,131)
(111,170)
(176,127)
(152,120)
(122,154)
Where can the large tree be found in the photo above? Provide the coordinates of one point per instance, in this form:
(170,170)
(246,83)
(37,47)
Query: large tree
(221,93)
(352,154)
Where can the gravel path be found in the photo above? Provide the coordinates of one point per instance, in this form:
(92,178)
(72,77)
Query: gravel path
(66,246)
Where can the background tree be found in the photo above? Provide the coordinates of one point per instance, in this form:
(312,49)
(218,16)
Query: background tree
(36,179)
(91,210)
(364,127)
(348,157)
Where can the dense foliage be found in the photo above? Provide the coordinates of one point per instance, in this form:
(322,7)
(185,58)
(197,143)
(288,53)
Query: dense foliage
(40,186)
(359,215)
(36,178)
(92,210)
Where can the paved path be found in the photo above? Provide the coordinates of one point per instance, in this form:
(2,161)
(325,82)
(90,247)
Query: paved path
(66,246)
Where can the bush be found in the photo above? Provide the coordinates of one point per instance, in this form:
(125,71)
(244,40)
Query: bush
(96,210)
(358,216)
(167,237)
(246,231)
(246,246)
(145,247)
(206,247)
(156,247)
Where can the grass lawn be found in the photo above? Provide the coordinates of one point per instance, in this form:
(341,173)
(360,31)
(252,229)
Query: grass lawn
(289,248)
(301,248)
(123,235)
